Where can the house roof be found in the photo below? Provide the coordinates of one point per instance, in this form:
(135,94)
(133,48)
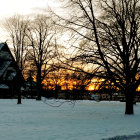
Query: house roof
(4,66)
(10,74)
(1,45)
(5,60)
(3,86)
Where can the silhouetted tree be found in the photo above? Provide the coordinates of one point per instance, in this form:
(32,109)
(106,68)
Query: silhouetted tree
(82,80)
(17,26)
(111,41)
(41,38)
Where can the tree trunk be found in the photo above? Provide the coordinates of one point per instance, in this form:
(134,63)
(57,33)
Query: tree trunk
(129,95)
(19,98)
(39,87)
(38,95)
(129,107)
(38,91)
(19,94)
(110,96)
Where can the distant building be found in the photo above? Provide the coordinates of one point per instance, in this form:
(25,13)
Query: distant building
(11,78)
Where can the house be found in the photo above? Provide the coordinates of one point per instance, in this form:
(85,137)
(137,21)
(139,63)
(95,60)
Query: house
(11,78)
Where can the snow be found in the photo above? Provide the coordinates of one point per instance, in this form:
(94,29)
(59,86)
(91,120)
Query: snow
(3,86)
(80,120)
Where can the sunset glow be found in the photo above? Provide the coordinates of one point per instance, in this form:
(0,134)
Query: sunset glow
(91,88)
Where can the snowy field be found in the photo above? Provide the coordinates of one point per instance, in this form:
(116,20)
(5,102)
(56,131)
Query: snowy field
(83,120)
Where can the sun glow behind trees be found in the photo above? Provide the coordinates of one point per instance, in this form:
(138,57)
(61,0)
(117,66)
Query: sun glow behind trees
(53,81)
(66,81)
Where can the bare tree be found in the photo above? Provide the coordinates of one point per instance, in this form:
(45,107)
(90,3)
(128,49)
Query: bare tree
(112,41)
(41,38)
(16,27)
(82,80)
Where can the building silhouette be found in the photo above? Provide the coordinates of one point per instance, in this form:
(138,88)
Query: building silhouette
(11,79)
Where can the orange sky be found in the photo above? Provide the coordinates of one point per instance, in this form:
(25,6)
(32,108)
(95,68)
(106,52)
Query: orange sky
(94,85)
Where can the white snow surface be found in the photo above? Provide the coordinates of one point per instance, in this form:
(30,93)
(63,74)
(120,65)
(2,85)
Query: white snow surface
(82,120)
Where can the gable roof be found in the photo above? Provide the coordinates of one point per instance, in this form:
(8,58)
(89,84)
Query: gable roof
(6,59)
(4,66)
(9,70)
(3,86)
(1,45)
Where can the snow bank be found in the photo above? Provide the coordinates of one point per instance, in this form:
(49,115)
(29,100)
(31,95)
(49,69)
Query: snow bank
(84,120)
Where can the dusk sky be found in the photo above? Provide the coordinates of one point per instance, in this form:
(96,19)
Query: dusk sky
(10,7)
(23,7)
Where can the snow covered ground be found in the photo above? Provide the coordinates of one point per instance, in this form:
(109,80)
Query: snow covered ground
(83,120)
